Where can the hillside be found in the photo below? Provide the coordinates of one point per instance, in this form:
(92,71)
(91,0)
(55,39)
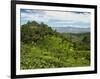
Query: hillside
(43,47)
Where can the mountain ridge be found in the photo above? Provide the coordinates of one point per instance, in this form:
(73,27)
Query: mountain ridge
(71,29)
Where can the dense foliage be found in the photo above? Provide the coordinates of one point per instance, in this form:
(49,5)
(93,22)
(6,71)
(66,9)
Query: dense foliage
(42,47)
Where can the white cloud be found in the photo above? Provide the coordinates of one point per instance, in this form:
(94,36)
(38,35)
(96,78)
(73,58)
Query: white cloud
(69,16)
(57,17)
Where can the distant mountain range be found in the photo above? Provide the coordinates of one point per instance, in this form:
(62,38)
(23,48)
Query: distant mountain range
(71,29)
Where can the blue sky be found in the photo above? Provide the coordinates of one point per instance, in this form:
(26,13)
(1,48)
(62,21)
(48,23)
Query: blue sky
(57,18)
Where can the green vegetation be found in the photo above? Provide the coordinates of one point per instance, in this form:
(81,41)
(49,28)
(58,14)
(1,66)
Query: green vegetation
(42,47)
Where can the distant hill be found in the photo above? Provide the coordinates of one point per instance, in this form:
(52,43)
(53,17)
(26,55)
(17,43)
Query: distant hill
(71,29)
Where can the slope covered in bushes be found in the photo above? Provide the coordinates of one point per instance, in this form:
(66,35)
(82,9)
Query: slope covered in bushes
(42,47)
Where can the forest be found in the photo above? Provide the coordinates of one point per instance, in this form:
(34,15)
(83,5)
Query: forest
(43,47)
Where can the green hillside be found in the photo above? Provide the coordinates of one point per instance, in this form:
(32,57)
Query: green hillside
(42,47)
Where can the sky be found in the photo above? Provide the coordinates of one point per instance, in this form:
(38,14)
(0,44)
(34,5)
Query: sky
(57,18)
